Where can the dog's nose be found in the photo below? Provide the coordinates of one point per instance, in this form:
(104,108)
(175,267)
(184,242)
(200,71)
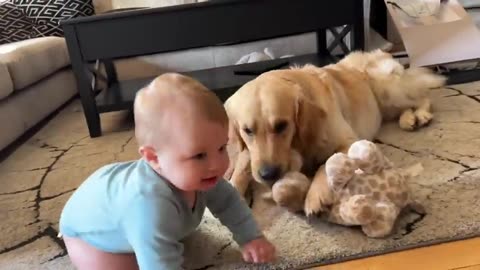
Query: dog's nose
(269,172)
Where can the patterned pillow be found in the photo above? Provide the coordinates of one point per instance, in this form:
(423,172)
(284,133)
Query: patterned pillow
(47,14)
(14,25)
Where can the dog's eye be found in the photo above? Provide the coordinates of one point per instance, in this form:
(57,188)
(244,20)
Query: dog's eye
(222,148)
(248,131)
(280,127)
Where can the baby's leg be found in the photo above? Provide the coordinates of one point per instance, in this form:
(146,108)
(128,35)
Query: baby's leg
(86,257)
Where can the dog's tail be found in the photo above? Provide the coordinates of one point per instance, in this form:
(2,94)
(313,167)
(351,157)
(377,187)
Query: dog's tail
(402,88)
(391,82)
(422,78)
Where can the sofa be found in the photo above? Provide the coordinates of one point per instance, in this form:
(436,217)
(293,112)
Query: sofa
(35,74)
(35,80)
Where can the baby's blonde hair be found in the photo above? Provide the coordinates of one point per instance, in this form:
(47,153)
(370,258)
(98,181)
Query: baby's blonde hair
(162,94)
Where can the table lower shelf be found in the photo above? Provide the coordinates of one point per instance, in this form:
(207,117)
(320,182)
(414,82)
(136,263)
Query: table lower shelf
(462,76)
(224,81)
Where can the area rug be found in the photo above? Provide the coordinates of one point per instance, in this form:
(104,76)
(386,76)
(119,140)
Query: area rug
(37,179)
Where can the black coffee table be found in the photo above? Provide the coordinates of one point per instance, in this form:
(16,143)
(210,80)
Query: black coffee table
(146,31)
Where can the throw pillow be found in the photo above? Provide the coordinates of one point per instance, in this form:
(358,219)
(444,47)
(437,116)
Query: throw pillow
(14,25)
(47,14)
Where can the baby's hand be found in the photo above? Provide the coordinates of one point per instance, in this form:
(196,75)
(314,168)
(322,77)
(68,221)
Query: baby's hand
(259,250)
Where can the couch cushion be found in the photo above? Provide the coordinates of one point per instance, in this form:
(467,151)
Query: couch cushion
(14,24)
(31,60)
(26,108)
(6,85)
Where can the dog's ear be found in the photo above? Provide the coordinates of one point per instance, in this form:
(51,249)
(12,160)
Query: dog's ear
(235,142)
(235,147)
(308,117)
(234,137)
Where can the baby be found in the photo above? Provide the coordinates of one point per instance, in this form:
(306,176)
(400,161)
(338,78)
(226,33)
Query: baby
(133,215)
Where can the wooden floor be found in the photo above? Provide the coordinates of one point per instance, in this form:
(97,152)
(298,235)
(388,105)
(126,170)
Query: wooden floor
(464,255)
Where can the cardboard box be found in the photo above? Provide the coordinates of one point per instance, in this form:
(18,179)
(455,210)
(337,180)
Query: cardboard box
(448,36)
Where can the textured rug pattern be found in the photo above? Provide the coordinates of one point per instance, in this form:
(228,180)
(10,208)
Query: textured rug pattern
(37,179)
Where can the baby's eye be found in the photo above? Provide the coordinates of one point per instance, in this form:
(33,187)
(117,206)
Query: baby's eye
(200,156)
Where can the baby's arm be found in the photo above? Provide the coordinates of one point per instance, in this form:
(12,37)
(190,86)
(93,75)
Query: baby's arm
(226,204)
(151,227)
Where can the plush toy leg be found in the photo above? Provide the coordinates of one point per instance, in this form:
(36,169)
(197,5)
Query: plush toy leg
(334,216)
(290,191)
(357,210)
(339,169)
(242,174)
(386,214)
(417,207)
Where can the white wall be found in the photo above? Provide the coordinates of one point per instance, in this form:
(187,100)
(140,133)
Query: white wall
(105,5)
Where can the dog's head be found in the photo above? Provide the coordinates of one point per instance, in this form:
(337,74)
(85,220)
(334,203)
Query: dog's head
(270,116)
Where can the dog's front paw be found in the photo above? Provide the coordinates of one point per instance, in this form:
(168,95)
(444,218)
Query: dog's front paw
(423,117)
(313,203)
(407,120)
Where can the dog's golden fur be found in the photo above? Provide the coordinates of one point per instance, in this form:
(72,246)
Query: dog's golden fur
(319,111)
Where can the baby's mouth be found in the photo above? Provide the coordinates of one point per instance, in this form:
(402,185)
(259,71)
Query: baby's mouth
(210,180)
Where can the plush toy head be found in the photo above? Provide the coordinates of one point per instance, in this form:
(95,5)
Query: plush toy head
(368,190)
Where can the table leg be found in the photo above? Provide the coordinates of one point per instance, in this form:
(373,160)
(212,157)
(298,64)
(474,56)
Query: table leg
(357,38)
(322,41)
(84,86)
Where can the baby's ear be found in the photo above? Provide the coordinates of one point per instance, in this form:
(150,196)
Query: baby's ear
(150,155)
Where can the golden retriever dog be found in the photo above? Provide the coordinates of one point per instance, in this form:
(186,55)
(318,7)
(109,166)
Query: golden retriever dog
(316,112)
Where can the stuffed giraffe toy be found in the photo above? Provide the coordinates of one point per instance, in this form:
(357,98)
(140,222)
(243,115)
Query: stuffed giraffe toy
(368,190)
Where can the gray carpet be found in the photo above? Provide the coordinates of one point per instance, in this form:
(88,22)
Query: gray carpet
(38,178)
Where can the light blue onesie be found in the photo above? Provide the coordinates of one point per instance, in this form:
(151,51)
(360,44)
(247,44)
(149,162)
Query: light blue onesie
(128,208)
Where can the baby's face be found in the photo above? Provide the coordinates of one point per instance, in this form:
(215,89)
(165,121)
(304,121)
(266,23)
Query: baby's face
(195,157)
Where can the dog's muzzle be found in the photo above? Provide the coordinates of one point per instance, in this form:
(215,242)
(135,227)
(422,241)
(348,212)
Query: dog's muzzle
(270,173)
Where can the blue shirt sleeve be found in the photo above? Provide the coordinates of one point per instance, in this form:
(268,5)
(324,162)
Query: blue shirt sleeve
(226,204)
(152,229)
